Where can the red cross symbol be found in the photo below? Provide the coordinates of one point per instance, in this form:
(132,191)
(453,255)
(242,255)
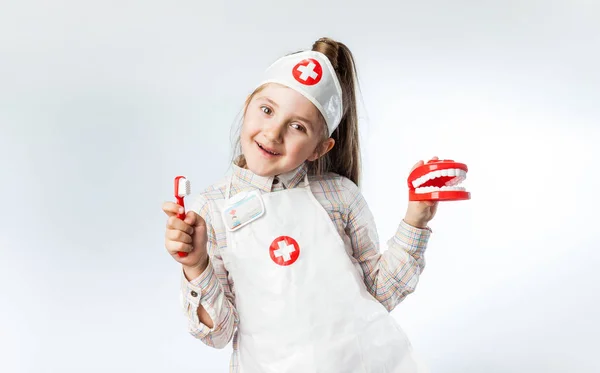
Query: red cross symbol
(284,250)
(308,71)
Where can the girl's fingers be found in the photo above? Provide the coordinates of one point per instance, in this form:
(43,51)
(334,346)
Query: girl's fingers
(171,208)
(173,247)
(177,235)
(175,223)
(418,164)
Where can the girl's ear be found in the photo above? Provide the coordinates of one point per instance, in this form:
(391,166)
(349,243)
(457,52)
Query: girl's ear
(322,149)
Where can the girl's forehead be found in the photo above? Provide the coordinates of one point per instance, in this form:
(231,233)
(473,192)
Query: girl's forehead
(285,97)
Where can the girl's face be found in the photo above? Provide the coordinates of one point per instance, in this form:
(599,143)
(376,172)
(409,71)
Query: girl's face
(281,130)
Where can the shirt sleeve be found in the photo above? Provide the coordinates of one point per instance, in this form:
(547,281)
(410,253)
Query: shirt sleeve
(393,274)
(212,291)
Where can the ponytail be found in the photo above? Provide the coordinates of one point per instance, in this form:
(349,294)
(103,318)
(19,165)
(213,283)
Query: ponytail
(344,157)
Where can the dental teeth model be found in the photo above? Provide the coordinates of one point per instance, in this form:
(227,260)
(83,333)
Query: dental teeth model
(438,180)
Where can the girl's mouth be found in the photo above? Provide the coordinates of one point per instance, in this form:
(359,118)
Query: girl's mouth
(266,150)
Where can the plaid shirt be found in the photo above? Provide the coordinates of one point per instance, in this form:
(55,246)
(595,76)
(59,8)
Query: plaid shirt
(389,275)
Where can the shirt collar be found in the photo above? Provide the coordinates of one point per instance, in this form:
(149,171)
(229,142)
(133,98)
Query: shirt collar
(289,179)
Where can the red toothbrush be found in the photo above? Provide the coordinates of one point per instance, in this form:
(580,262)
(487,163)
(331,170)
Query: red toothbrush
(182,189)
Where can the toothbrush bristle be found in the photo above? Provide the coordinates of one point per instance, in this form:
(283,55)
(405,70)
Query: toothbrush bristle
(184,187)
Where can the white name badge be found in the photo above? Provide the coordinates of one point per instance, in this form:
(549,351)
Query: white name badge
(243,208)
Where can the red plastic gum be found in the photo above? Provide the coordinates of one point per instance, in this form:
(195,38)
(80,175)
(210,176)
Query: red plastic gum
(438,180)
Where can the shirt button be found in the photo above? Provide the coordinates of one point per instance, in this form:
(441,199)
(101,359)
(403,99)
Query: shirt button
(276,181)
(194,294)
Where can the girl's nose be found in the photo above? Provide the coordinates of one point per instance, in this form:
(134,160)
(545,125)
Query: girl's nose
(273,131)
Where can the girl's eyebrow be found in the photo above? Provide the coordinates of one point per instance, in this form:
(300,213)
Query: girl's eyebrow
(269,100)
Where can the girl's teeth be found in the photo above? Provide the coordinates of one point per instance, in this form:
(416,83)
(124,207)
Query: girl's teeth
(268,151)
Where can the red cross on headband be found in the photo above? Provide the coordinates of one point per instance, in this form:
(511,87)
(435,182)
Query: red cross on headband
(308,71)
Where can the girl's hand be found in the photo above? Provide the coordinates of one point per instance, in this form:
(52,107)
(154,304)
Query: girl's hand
(188,235)
(420,213)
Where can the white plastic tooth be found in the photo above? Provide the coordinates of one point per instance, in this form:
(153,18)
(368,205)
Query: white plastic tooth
(451,172)
(430,189)
(444,172)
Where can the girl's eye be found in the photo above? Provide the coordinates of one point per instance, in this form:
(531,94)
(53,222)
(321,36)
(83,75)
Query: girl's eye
(298,127)
(266,110)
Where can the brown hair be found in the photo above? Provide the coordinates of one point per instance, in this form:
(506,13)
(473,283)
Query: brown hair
(344,157)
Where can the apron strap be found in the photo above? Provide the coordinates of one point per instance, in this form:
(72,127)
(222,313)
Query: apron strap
(306,183)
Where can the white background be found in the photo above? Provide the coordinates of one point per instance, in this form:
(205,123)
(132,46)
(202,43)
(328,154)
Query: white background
(103,103)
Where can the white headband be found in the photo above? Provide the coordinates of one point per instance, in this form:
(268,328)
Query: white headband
(311,74)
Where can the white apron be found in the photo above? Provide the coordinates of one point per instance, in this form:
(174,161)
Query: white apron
(303,306)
